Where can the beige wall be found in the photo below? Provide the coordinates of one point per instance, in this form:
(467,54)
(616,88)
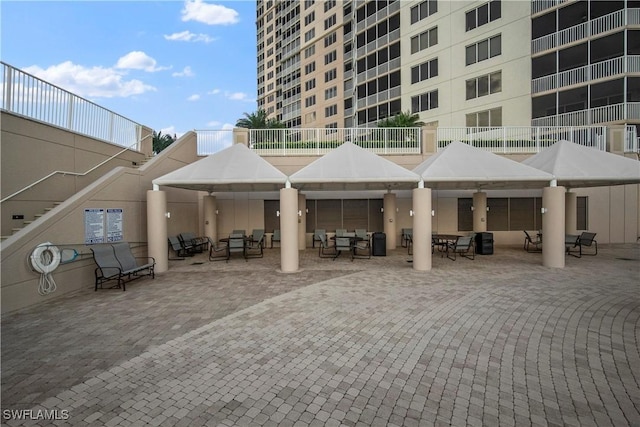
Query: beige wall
(122,187)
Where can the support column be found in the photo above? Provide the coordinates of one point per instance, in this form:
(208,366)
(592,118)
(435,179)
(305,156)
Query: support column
(157,243)
(422,229)
(480,212)
(289,230)
(389,218)
(210,225)
(553,223)
(571,213)
(302,222)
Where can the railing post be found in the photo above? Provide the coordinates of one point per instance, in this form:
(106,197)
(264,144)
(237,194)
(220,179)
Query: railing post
(8,87)
(504,140)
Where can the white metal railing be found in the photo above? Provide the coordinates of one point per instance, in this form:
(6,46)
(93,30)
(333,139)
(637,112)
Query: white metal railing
(540,5)
(631,140)
(212,141)
(506,140)
(604,114)
(599,70)
(581,31)
(319,141)
(29,96)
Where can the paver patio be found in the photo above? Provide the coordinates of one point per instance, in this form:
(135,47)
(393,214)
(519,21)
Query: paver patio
(500,340)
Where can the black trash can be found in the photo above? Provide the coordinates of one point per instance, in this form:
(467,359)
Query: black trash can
(484,243)
(379,244)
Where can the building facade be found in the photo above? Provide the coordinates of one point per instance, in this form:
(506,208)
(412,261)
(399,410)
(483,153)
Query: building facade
(455,63)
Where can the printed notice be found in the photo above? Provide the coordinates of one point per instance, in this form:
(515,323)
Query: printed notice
(114,225)
(93,226)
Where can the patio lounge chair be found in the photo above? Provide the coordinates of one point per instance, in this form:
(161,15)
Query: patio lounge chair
(236,245)
(255,244)
(531,245)
(586,239)
(196,244)
(343,244)
(275,237)
(324,250)
(108,268)
(130,264)
(218,252)
(463,246)
(316,236)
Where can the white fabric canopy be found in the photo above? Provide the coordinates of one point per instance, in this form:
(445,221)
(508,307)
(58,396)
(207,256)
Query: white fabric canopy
(236,168)
(461,166)
(575,165)
(350,167)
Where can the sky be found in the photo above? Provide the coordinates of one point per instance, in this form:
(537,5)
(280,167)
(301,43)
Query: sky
(173,66)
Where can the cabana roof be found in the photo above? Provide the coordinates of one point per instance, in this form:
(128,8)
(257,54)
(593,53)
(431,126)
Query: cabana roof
(350,167)
(461,166)
(575,165)
(236,168)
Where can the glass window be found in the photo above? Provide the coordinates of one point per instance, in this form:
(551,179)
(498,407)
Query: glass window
(470,18)
(470,54)
(471,88)
(483,50)
(415,74)
(498,215)
(483,14)
(582,205)
(496,82)
(495,45)
(522,213)
(483,85)
(465,215)
(415,44)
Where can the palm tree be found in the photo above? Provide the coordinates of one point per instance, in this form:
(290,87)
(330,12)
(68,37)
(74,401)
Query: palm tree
(160,141)
(259,120)
(401,120)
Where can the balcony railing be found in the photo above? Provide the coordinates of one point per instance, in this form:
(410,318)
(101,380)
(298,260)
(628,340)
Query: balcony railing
(513,140)
(631,140)
(596,26)
(540,5)
(316,142)
(29,96)
(599,70)
(604,114)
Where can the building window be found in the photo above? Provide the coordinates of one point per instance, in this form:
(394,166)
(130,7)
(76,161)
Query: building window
(484,85)
(330,21)
(505,214)
(332,92)
(328,4)
(310,84)
(333,125)
(424,71)
(309,101)
(309,51)
(483,14)
(309,34)
(487,118)
(424,40)
(310,67)
(423,10)
(330,75)
(424,102)
(582,220)
(330,39)
(484,49)
(309,18)
(330,57)
(331,110)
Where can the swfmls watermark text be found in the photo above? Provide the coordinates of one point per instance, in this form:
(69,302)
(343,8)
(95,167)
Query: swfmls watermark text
(35,414)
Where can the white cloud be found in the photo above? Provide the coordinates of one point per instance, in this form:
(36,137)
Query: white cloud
(90,82)
(188,36)
(137,60)
(214,92)
(238,96)
(171,130)
(186,72)
(208,13)
(193,97)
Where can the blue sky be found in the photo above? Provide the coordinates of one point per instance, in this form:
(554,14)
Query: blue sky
(173,66)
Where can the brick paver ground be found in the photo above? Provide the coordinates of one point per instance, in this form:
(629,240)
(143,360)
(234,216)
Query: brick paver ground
(498,341)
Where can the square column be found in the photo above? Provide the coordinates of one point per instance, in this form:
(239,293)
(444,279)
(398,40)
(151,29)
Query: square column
(553,223)
(157,240)
(422,229)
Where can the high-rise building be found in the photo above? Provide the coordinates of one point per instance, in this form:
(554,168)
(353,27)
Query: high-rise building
(455,63)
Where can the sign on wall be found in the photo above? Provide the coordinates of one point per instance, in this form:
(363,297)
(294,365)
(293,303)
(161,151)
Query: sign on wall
(93,226)
(114,225)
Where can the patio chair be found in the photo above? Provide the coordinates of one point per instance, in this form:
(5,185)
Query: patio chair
(180,251)
(130,264)
(343,244)
(324,250)
(406,236)
(462,246)
(236,245)
(255,244)
(531,245)
(218,252)
(361,247)
(316,236)
(239,231)
(340,232)
(275,237)
(585,239)
(108,268)
(196,244)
